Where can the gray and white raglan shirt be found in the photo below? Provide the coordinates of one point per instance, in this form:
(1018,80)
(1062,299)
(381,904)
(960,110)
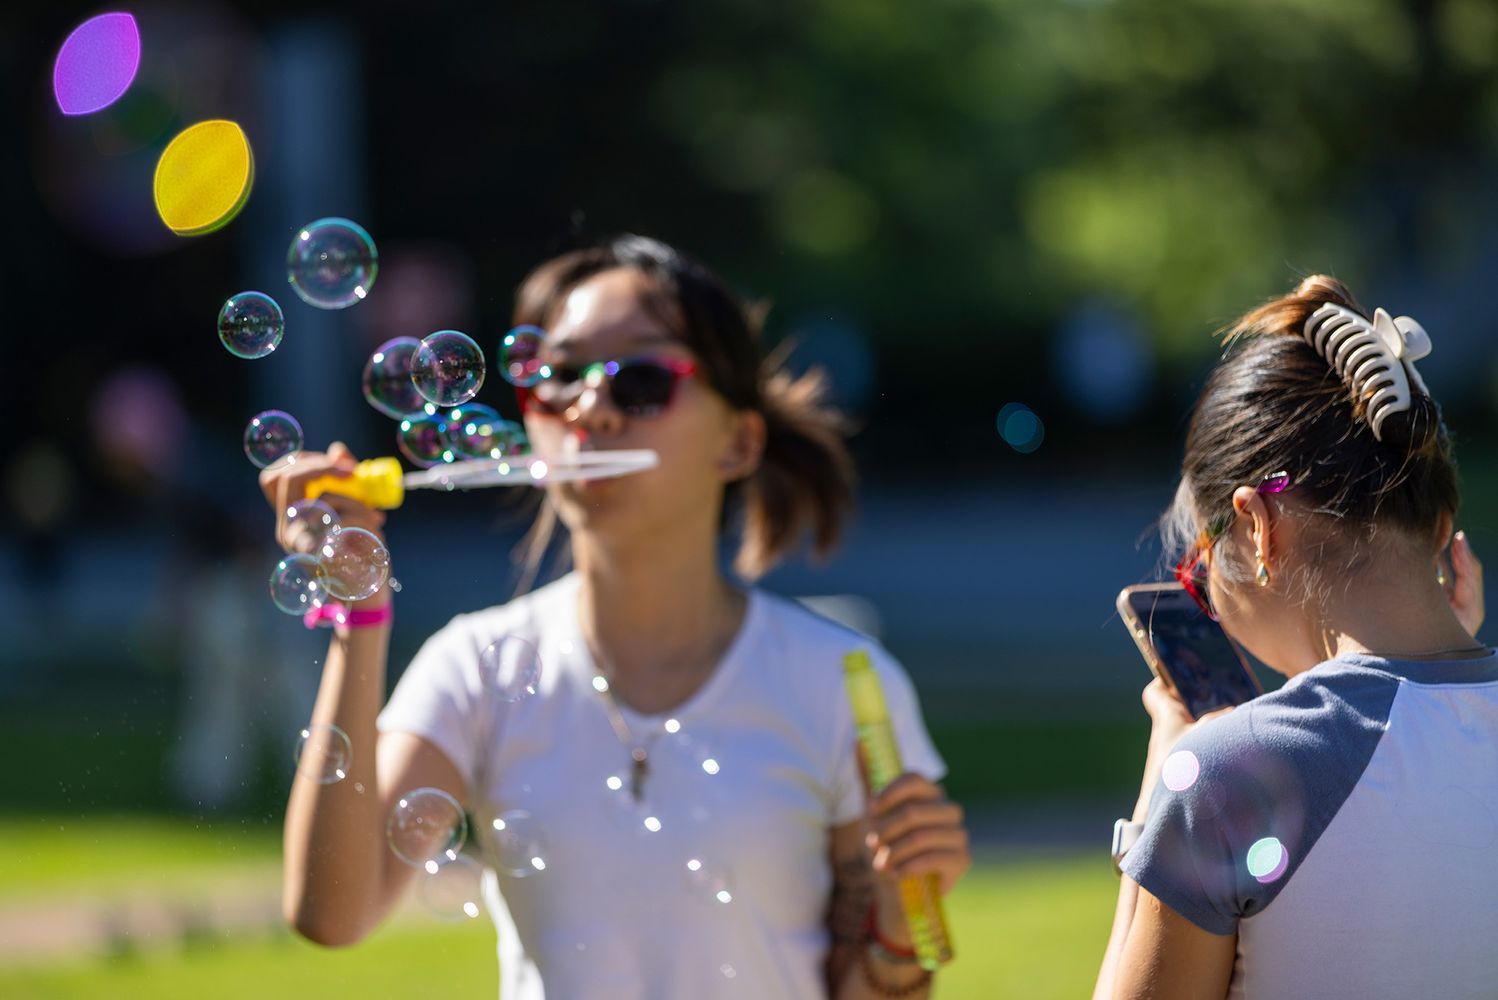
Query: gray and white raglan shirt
(1345,828)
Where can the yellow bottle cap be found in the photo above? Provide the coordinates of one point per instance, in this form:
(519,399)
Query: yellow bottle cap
(864,693)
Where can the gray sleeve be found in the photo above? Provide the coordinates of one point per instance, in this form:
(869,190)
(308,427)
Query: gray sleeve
(1268,780)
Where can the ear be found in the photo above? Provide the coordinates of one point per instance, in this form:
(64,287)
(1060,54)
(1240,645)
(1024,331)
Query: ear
(1444,527)
(745,446)
(1250,503)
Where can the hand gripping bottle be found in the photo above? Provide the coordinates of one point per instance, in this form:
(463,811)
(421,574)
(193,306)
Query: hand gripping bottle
(920,895)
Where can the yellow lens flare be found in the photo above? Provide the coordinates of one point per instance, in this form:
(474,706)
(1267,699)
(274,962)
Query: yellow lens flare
(204,177)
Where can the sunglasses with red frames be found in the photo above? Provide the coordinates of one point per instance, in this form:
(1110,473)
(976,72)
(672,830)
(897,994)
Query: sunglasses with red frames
(638,387)
(1191,571)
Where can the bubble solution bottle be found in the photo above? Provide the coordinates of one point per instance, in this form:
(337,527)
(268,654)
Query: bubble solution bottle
(920,895)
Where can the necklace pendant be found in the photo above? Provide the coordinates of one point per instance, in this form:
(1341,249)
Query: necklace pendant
(637,775)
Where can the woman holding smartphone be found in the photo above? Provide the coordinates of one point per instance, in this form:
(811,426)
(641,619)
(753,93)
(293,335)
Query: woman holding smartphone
(644,643)
(1334,838)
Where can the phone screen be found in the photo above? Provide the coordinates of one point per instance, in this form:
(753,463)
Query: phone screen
(1203,664)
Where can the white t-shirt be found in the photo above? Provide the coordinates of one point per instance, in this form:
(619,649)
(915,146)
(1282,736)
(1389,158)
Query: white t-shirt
(716,881)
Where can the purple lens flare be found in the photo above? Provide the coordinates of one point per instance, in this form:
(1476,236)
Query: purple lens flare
(96,64)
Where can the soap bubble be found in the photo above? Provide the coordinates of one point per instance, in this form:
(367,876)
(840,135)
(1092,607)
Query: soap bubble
(518,843)
(422,438)
(297,585)
(452,891)
(332,263)
(354,563)
(477,431)
(693,747)
(520,356)
(448,368)
(1020,428)
(510,668)
(387,378)
(1267,859)
(309,523)
(323,753)
(1181,770)
(250,325)
(426,828)
(96,64)
(708,881)
(271,436)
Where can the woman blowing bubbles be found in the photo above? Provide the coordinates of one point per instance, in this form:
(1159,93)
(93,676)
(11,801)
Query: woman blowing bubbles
(1335,838)
(648,650)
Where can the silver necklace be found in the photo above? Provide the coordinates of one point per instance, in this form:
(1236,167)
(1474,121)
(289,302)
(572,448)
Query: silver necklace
(639,751)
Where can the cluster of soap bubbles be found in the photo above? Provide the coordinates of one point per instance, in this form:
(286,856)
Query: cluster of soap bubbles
(347,564)
(428,385)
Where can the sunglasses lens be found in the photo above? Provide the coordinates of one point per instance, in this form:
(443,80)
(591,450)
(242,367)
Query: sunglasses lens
(642,387)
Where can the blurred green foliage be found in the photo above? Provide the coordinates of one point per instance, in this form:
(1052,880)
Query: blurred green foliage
(970,163)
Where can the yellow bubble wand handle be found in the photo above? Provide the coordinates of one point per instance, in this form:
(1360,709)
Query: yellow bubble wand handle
(375,482)
(920,895)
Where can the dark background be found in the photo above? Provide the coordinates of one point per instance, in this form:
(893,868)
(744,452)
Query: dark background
(951,206)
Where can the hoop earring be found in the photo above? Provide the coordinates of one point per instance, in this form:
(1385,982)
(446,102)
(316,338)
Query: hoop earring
(1261,574)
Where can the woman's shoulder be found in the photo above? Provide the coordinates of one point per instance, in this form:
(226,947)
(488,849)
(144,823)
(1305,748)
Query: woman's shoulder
(1312,736)
(812,643)
(528,616)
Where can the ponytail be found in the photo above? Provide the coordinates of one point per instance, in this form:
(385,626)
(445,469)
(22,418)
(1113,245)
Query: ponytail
(805,480)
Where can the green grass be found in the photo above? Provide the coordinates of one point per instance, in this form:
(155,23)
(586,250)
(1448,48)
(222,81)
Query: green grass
(105,854)
(1031,926)
(399,962)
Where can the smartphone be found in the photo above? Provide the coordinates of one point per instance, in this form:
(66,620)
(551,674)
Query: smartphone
(1188,651)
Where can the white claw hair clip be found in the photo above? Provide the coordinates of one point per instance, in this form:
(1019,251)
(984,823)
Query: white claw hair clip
(1376,359)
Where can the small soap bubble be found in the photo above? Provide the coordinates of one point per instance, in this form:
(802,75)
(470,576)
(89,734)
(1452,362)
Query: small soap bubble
(322,754)
(422,438)
(297,585)
(250,325)
(708,881)
(520,356)
(652,823)
(693,747)
(518,843)
(332,263)
(355,564)
(1267,859)
(1020,428)
(452,891)
(448,368)
(1181,770)
(272,436)
(477,431)
(387,378)
(510,668)
(729,972)
(309,523)
(426,828)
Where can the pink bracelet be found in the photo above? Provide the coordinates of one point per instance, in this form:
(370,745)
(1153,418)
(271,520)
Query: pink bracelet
(334,613)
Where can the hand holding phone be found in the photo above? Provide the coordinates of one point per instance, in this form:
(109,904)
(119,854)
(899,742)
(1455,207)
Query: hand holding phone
(1186,650)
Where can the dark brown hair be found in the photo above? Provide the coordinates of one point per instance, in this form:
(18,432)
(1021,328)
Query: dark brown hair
(805,479)
(1273,403)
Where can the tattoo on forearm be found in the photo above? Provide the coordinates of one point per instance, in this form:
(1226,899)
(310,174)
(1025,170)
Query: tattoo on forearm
(852,895)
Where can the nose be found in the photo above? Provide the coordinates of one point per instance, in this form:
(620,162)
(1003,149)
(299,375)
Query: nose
(594,413)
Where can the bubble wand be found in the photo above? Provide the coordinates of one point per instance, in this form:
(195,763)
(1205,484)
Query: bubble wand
(920,895)
(382,483)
